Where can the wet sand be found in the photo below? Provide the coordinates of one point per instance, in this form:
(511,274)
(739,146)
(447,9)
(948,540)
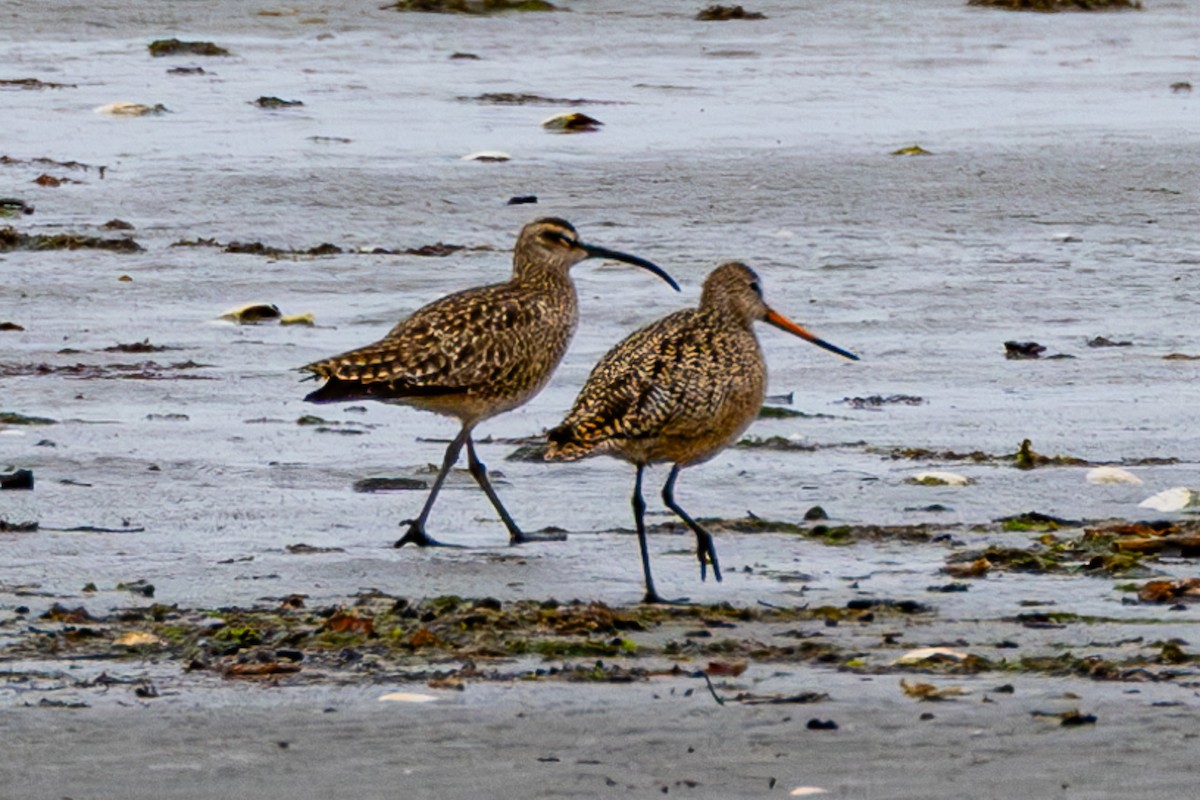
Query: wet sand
(1058,206)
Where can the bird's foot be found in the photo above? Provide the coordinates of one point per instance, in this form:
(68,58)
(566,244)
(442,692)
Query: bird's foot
(416,535)
(652,598)
(517,537)
(706,553)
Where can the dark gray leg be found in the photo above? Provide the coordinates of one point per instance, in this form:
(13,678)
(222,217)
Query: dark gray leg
(515,536)
(416,527)
(639,517)
(705,550)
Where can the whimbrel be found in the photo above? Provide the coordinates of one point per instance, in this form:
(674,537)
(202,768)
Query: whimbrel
(678,391)
(476,353)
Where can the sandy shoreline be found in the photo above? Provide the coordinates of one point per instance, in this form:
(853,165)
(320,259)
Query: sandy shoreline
(1058,205)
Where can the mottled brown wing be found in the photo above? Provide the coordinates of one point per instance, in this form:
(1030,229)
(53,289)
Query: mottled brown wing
(664,379)
(459,343)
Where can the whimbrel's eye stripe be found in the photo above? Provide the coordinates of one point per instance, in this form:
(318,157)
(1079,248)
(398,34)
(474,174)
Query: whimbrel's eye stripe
(558,237)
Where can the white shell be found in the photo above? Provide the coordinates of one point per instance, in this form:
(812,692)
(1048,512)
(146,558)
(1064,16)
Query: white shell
(936,478)
(1113,475)
(407,697)
(487,155)
(1170,500)
(120,109)
(924,653)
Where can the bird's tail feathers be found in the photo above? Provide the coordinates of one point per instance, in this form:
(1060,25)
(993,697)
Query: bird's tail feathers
(565,445)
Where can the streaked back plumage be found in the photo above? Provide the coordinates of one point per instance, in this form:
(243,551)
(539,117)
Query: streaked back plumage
(678,390)
(475,353)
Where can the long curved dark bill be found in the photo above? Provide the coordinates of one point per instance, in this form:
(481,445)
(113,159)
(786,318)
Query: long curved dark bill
(595,251)
(785,324)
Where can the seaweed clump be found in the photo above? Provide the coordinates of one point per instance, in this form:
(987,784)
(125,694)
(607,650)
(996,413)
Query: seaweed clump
(723,13)
(12,239)
(476,7)
(1051,6)
(174,47)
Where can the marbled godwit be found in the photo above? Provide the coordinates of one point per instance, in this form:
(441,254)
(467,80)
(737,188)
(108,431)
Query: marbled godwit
(476,353)
(678,391)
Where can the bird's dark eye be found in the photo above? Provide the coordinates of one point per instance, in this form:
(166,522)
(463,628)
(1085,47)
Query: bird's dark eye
(558,238)
(757,289)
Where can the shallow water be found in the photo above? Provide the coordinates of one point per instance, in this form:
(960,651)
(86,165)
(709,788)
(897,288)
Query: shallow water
(1059,205)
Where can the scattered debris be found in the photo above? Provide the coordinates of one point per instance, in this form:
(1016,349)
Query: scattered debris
(1026,458)
(932,654)
(34,83)
(260,249)
(522,199)
(139,586)
(11,206)
(928,692)
(1103,341)
(19,480)
(1050,6)
(127,109)
(13,418)
(186,71)
(815,724)
(1181,87)
(1176,499)
(138,639)
(723,13)
(972,569)
(1112,475)
(174,47)
(407,697)
(876,401)
(488,156)
(437,250)
(306,319)
(571,122)
(1067,719)
(50,162)
(10,326)
(11,239)
(252,314)
(302,549)
(474,7)
(527,99)
(145,370)
(50,182)
(275,102)
(369,485)
(1023,350)
(1168,591)
(939,478)
(911,150)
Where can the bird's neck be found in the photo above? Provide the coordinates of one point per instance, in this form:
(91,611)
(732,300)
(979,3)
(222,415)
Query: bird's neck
(541,276)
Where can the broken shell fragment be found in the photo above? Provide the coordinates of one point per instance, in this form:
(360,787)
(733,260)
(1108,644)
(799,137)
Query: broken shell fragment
(407,697)
(306,318)
(137,639)
(571,122)
(937,478)
(1175,499)
(252,314)
(494,156)
(1113,475)
(122,109)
